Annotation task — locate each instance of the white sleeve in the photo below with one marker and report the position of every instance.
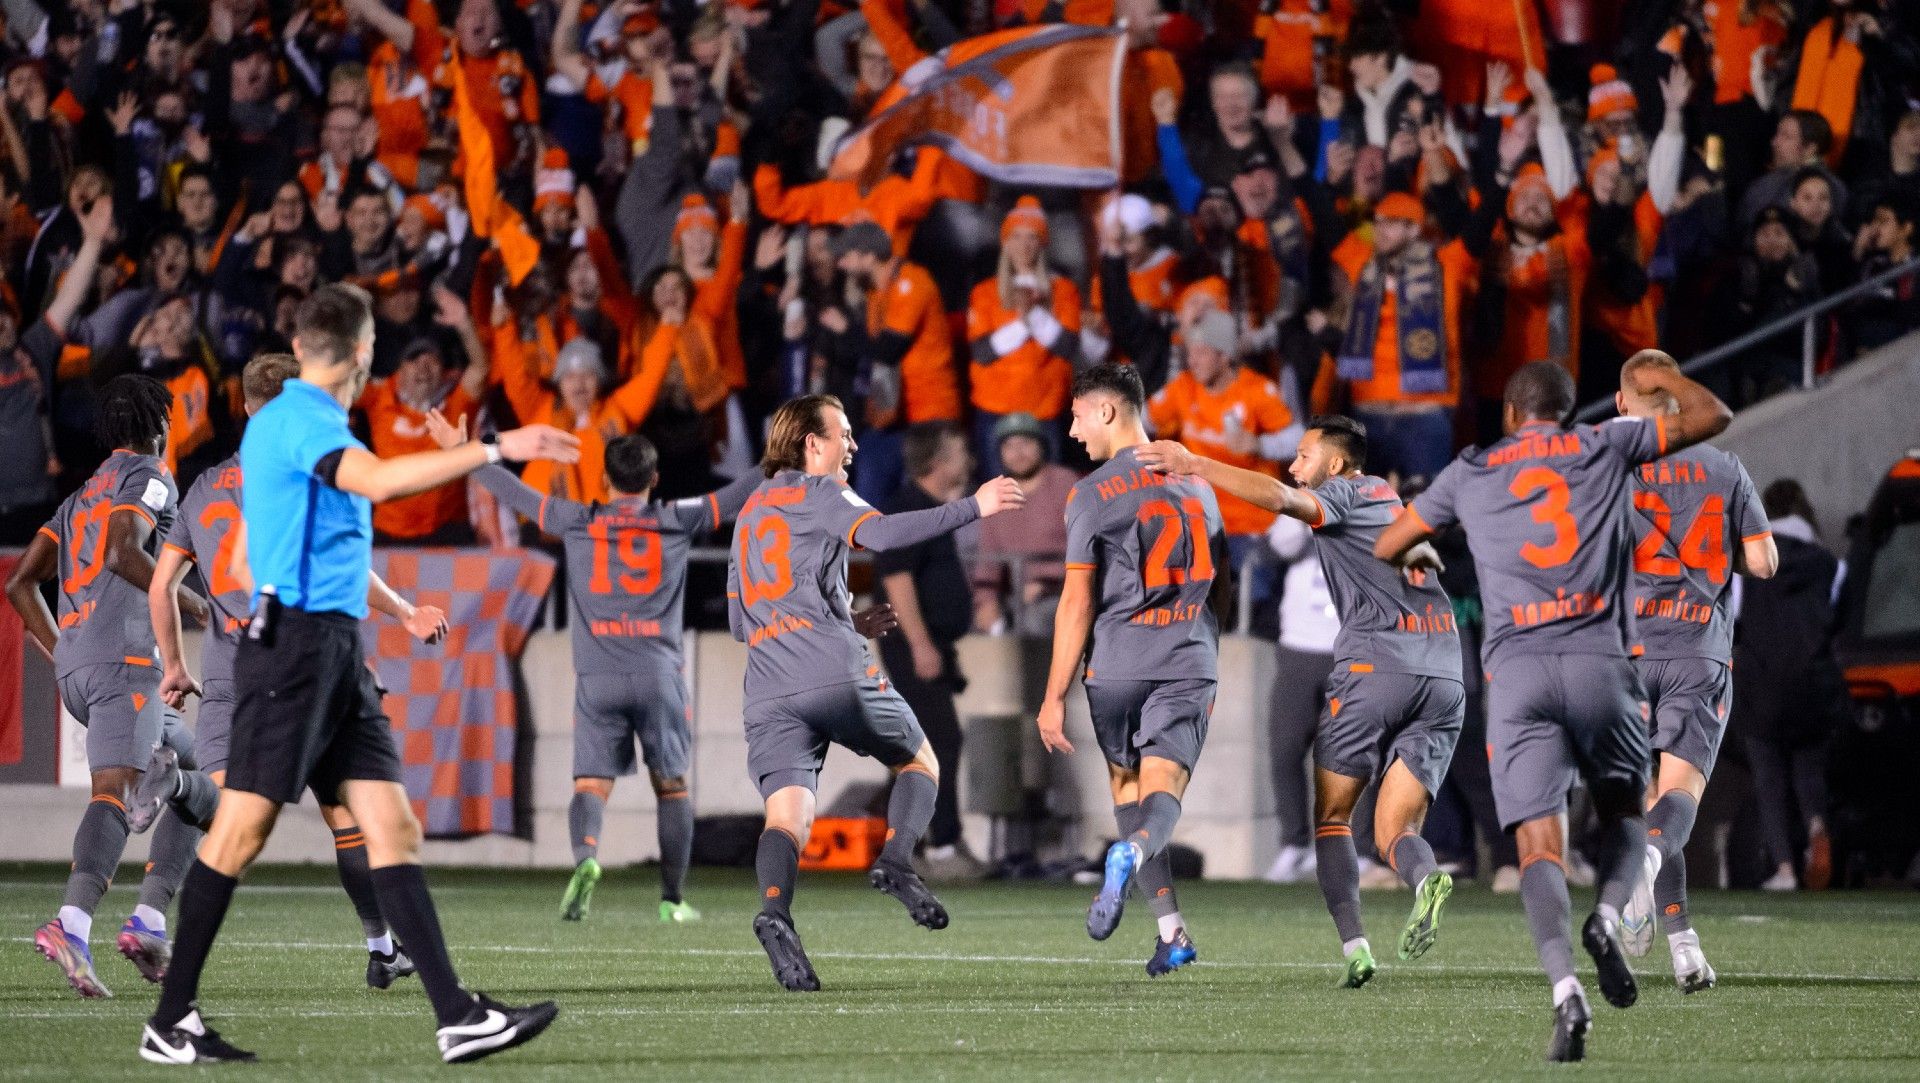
(1046, 327)
(1009, 338)
(1556, 155)
(1663, 167)
(1281, 445)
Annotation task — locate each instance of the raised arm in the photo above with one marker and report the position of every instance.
(38, 564)
(1702, 415)
(521, 498)
(392, 26)
(1260, 490)
(567, 59)
(78, 281)
(1072, 624)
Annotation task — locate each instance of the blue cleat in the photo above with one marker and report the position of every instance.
(1171, 955)
(1103, 917)
(145, 949)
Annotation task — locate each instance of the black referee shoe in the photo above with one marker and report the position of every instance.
(492, 1027)
(190, 1041)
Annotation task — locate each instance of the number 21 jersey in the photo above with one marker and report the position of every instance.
(1155, 544)
(104, 618)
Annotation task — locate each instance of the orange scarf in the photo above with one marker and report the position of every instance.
(1829, 80)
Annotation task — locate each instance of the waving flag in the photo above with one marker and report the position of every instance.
(1036, 105)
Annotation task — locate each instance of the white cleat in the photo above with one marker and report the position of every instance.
(1636, 921)
(1690, 969)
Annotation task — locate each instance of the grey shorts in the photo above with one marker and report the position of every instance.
(1690, 698)
(1552, 718)
(787, 737)
(119, 704)
(213, 729)
(610, 710)
(1372, 719)
(1167, 719)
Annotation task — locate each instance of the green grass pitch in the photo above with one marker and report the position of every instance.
(1812, 987)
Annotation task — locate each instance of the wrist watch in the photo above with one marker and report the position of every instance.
(491, 441)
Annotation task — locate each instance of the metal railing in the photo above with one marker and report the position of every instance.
(1806, 318)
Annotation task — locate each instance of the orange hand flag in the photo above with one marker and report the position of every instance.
(1035, 105)
(492, 215)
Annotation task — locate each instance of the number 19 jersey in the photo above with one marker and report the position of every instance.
(1693, 511)
(1155, 544)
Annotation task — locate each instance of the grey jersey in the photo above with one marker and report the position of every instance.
(1693, 511)
(1386, 623)
(205, 532)
(1549, 525)
(626, 568)
(1155, 545)
(104, 618)
(787, 596)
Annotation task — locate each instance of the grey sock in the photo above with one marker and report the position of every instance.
(1670, 893)
(1159, 813)
(675, 813)
(778, 864)
(1623, 848)
(1338, 870)
(1543, 890)
(909, 811)
(1670, 823)
(97, 845)
(197, 799)
(356, 878)
(1412, 858)
(584, 815)
(174, 841)
(1155, 876)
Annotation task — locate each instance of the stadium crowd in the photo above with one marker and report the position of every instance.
(615, 217)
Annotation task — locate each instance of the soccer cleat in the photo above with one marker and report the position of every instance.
(904, 884)
(71, 955)
(1571, 1022)
(1171, 955)
(190, 1041)
(1636, 921)
(384, 970)
(156, 787)
(1690, 969)
(145, 949)
(678, 913)
(1616, 978)
(790, 966)
(493, 1027)
(1423, 925)
(1360, 968)
(1103, 917)
(579, 897)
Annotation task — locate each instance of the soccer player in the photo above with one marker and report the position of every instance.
(307, 711)
(810, 680)
(208, 532)
(1698, 518)
(1144, 553)
(1396, 702)
(1548, 523)
(100, 544)
(626, 576)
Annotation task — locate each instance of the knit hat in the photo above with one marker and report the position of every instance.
(1610, 93)
(429, 211)
(1530, 176)
(553, 181)
(1400, 205)
(866, 236)
(695, 213)
(579, 354)
(1133, 213)
(1215, 329)
(1017, 424)
(1026, 214)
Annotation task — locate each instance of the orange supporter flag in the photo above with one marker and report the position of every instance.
(492, 215)
(1037, 105)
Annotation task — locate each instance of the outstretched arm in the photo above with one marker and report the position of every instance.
(363, 473)
(883, 532)
(1260, 490)
(1072, 624)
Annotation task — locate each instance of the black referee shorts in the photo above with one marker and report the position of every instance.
(308, 712)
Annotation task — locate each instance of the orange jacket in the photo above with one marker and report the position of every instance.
(908, 303)
(1631, 327)
(1735, 42)
(1185, 410)
(897, 203)
(1530, 287)
(1456, 274)
(398, 429)
(400, 104)
(1287, 36)
(484, 75)
(1029, 377)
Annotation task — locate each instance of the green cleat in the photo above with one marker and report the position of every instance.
(1423, 925)
(678, 913)
(579, 897)
(1360, 968)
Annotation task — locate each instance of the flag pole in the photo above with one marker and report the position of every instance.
(1114, 111)
(1526, 41)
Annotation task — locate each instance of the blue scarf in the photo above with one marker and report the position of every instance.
(1419, 318)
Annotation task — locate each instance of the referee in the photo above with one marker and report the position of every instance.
(308, 712)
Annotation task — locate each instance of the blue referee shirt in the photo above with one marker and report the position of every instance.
(311, 543)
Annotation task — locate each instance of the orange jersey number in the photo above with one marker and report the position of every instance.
(1552, 509)
(220, 577)
(1703, 546)
(80, 574)
(771, 538)
(639, 552)
(1191, 519)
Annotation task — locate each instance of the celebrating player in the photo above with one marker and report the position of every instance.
(208, 532)
(101, 544)
(1396, 702)
(1144, 553)
(810, 681)
(1699, 517)
(308, 711)
(626, 575)
(1547, 516)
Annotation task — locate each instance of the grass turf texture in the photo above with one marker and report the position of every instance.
(1813, 986)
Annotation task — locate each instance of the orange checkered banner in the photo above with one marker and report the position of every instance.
(1036, 105)
(453, 705)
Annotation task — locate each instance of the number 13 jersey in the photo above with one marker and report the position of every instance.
(1155, 544)
(1547, 519)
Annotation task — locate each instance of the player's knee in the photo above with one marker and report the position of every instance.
(601, 787)
(1545, 837)
(666, 788)
(336, 817)
(114, 781)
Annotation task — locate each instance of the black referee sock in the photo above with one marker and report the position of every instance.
(402, 891)
(204, 897)
(778, 864)
(356, 876)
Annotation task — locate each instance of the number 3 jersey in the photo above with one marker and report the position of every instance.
(205, 532)
(1155, 544)
(104, 618)
(1693, 511)
(1548, 521)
